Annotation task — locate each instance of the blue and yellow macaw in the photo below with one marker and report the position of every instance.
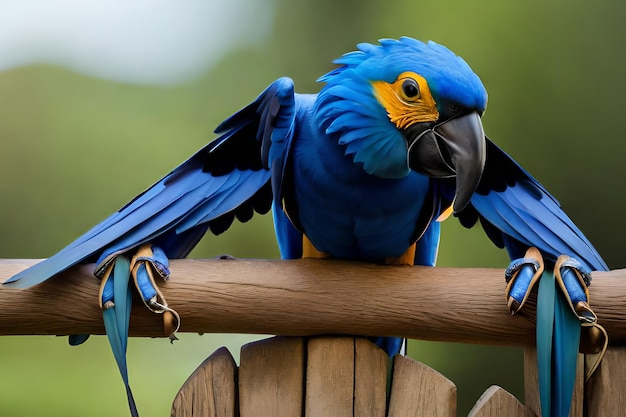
(364, 170)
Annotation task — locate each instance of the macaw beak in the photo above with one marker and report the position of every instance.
(454, 148)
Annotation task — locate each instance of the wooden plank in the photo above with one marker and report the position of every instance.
(420, 391)
(330, 377)
(531, 384)
(210, 391)
(578, 401)
(531, 381)
(605, 388)
(497, 402)
(370, 379)
(271, 378)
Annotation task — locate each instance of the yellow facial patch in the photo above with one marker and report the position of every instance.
(407, 100)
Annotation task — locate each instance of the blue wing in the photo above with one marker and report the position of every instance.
(228, 178)
(517, 212)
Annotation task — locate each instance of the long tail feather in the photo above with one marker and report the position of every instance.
(566, 341)
(545, 330)
(558, 336)
(116, 319)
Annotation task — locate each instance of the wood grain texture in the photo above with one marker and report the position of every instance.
(531, 381)
(271, 378)
(371, 366)
(329, 377)
(211, 391)
(606, 387)
(303, 297)
(419, 391)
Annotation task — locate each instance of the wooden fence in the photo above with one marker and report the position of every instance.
(329, 376)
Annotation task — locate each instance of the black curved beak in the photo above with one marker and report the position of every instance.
(454, 148)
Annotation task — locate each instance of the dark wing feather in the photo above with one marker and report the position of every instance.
(517, 212)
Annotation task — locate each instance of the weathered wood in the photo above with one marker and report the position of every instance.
(370, 379)
(303, 297)
(531, 381)
(211, 391)
(420, 391)
(329, 377)
(271, 378)
(606, 387)
(347, 377)
(531, 385)
(578, 400)
(497, 402)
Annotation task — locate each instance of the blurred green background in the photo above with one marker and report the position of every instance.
(76, 147)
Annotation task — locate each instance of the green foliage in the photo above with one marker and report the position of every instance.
(74, 149)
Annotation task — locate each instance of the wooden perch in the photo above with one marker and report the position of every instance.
(304, 297)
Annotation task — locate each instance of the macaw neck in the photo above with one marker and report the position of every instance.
(321, 150)
(349, 113)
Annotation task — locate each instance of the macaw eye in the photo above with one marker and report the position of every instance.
(410, 89)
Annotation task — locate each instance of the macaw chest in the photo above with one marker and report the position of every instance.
(363, 217)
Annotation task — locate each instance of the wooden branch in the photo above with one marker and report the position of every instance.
(304, 297)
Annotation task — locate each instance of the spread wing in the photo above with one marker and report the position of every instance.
(229, 178)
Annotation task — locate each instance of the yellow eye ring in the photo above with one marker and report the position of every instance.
(407, 100)
(409, 90)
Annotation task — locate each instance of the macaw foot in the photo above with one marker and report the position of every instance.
(115, 299)
(521, 276)
(573, 278)
(150, 261)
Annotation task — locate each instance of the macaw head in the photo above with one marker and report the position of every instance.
(407, 105)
